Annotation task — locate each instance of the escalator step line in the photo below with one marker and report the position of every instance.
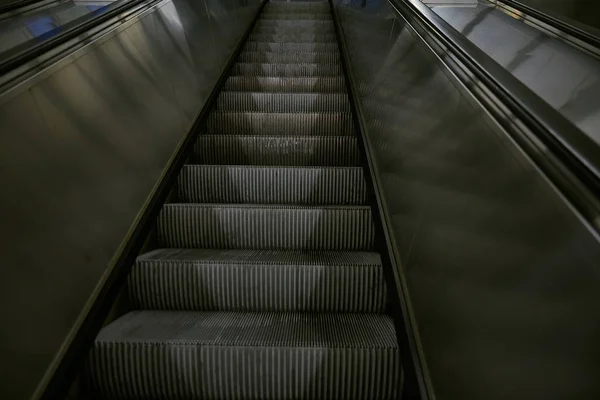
(258, 281)
(282, 102)
(219, 362)
(287, 70)
(292, 47)
(336, 151)
(285, 124)
(266, 227)
(237, 184)
(286, 85)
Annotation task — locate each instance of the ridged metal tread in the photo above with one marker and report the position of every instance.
(298, 6)
(283, 102)
(272, 185)
(233, 355)
(297, 16)
(274, 124)
(258, 280)
(267, 57)
(335, 151)
(294, 29)
(330, 84)
(287, 70)
(220, 226)
(293, 37)
(292, 47)
(290, 23)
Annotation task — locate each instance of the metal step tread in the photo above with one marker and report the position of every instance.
(286, 23)
(340, 259)
(231, 329)
(286, 70)
(274, 84)
(237, 280)
(267, 57)
(339, 151)
(276, 227)
(272, 185)
(283, 102)
(294, 29)
(279, 124)
(297, 16)
(292, 47)
(293, 37)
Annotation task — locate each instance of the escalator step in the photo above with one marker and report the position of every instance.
(287, 23)
(258, 280)
(336, 151)
(282, 102)
(292, 47)
(298, 16)
(291, 29)
(293, 38)
(234, 355)
(286, 70)
(272, 185)
(252, 123)
(298, 6)
(266, 57)
(266, 227)
(286, 85)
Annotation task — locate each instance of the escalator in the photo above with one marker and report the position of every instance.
(264, 283)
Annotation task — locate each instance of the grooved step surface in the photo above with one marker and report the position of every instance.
(285, 85)
(295, 29)
(266, 227)
(294, 37)
(286, 23)
(297, 16)
(265, 57)
(283, 70)
(283, 102)
(178, 279)
(272, 185)
(321, 7)
(286, 124)
(337, 151)
(217, 355)
(292, 47)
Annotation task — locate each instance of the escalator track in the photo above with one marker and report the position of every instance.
(265, 283)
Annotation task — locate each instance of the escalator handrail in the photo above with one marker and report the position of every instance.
(16, 5)
(71, 32)
(576, 150)
(555, 22)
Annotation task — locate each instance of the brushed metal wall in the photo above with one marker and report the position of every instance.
(80, 152)
(583, 11)
(503, 277)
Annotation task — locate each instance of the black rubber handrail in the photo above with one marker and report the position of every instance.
(576, 150)
(69, 31)
(555, 22)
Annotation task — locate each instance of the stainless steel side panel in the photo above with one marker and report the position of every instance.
(502, 276)
(80, 152)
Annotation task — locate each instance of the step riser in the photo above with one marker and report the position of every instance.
(285, 85)
(293, 38)
(297, 16)
(212, 372)
(289, 58)
(283, 102)
(238, 185)
(189, 226)
(295, 24)
(294, 29)
(284, 151)
(292, 47)
(286, 70)
(281, 124)
(242, 287)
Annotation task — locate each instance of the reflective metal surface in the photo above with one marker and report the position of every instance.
(80, 152)
(582, 11)
(566, 78)
(502, 276)
(31, 28)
